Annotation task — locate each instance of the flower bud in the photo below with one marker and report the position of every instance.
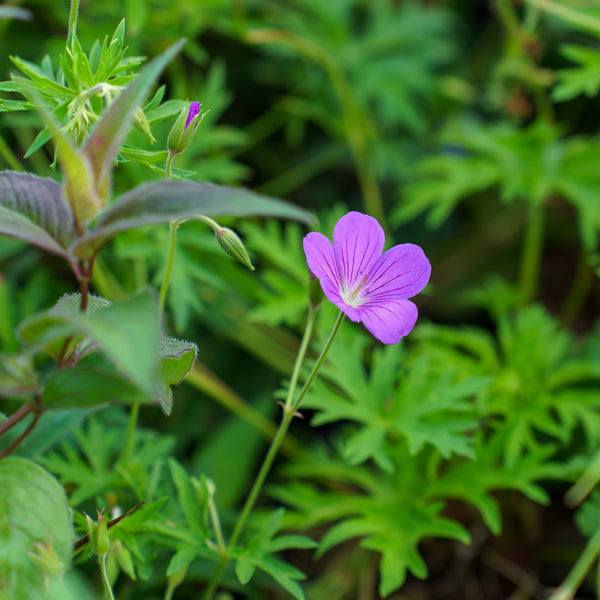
(184, 128)
(231, 243)
(315, 291)
(98, 532)
(143, 124)
(47, 559)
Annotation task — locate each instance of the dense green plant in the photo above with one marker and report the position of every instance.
(478, 147)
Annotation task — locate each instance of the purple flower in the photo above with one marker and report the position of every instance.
(192, 112)
(368, 286)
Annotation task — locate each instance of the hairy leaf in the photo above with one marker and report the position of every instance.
(34, 521)
(34, 209)
(163, 201)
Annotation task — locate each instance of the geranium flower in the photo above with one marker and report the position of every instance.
(368, 286)
(193, 110)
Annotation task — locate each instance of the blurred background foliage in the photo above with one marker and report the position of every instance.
(468, 127)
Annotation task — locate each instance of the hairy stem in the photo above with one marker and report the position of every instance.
(568, 588)
(9, 156)
(310, 323)
(21, 437)
(568, 14)
(73, 13)
(15, 418)
(580, 288)
(354, 119)
(130, 435)
(169, 165)
(105, 581)
(289, 412)
(162, 298)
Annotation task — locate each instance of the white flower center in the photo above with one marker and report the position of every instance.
(354, 296)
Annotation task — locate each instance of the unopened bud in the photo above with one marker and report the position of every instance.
(315, 291)
(143, 124)
(46, 557)
(233, 245)
(98, 532)
(183, 131)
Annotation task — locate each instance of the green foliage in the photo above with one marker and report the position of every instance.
(523, 163)
(540, 389)
(402, 108)
(582, 79)
(382, 403)
(259, 550)
(36, 531)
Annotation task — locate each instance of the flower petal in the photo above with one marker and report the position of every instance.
(320, 260)
(389, 320)
(319, 257)
(401, 272)
(357, 244)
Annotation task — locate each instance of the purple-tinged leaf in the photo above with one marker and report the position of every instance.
(104, 140)
(34, 209)
(163, 201)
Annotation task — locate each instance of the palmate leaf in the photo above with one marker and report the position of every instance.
(410, 402)
(539, 385)
(258, 553)
(392, 513)
(88, 458)
(582, 79)
(389, 513)
(522, 162)
(163, 201)
(34, 209)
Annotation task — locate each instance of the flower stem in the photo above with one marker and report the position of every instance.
(15, 418)
(107, 588)
(131, 427)
(73, 12)
(169, 165)
(173, 225)
(310, 322)
(315, 371)
(580, 288)
(289, 412)
(21, 437)
(566, 591)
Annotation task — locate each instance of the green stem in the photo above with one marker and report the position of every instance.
(568, 14)
(105, 581)
(531, 258)
(310, 323)
(289, 412)
(354, 119)
(568, 588)
(315, 371)
(9, 156)
(169, 165)
(580, 288)
(129, 437)
(74, 11)
(206, 381)
(216, 523)
(173, 225)
(171, 587)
